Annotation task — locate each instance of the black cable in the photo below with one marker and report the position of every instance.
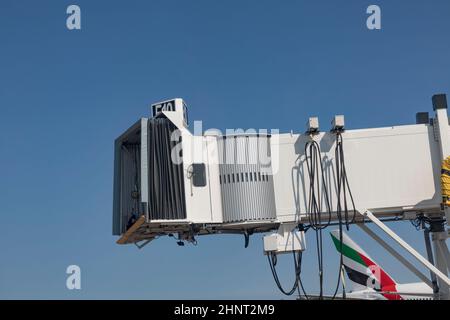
(342, 183)
(342, 207)
(301, 228)
(300, 286)
(316, 175)
(417, 223)
(420, 222)
(318, 190)
(317, 183)
(272, 258)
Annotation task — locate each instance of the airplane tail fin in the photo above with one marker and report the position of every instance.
(360, 268)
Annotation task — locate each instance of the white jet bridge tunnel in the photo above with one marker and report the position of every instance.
(169, 181)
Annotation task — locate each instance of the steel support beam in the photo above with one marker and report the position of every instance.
(397, 255)
(440, 253)
(408, 248)
(426, 234)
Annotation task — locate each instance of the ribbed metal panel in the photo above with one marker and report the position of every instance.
(166, 180)
(245, 178)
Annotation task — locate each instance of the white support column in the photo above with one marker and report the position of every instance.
(344, 285)
(441, 253)
(440, 248)
(443, 130)
(411, 250)
(426, 236)
(447, 254)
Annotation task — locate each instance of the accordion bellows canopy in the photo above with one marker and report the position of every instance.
(166, 181)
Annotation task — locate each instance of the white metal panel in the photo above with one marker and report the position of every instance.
(388, 169)
(200, 201)
(212, 161)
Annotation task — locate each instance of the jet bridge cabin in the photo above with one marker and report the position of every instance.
(167, 180)
(170, 181)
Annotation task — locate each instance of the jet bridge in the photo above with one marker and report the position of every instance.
(251, 181)
(170, 181)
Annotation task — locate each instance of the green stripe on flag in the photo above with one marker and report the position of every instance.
(348, 251)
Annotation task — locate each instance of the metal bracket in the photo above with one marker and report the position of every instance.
(142, 244)
(407, 247)
(287, 239)
(394, 253)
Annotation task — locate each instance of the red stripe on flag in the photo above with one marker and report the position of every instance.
(386, 282)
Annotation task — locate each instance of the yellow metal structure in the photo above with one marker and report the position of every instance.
(125, 237)
(445, 181)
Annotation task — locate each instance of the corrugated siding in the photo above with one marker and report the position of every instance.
(245, 179)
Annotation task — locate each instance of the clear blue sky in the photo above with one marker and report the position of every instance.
(66, 95)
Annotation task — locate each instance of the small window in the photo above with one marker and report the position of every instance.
(198, 174)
